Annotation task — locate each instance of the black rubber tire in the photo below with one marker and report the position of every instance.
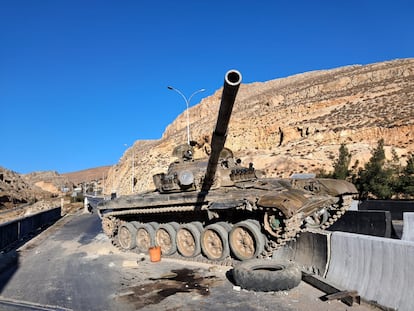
(267, 275)
(154, 224)
(169, 229)
(174, 224)
(126, 236)
(225, 225)
(140, 244)
(195, 233)
(253, 228)
(199, 225)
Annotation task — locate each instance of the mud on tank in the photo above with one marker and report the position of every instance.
(217, 209)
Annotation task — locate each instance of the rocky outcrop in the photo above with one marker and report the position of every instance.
(14, 190)
(294, 124)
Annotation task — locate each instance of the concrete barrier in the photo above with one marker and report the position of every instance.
(380, 269)
(408, 227)
(375, 223)
(396, 207)
(20, 228)
(9, 233)
(310, 250)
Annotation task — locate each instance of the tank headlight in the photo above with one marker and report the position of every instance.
(186, 178)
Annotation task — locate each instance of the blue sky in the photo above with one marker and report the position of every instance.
(80, 79)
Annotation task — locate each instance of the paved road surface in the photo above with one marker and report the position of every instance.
(73, 266)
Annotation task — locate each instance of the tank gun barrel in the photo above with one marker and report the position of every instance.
(232, 81)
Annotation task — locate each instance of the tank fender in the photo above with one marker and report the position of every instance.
(230, 205)
(337, 187)
(287, 202)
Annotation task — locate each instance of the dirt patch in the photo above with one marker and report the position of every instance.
(157, 289)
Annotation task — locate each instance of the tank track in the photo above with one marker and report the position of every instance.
(294, 227)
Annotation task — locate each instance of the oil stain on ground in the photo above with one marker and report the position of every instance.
(178, 281)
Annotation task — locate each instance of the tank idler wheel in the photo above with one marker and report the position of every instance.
(109, 226)
(126, 236)
(246, 240)
(165, 237)
(317, 219)
(214, 241)
(145, 237)
(188, 240)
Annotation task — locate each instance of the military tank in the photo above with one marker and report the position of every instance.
(218, 209)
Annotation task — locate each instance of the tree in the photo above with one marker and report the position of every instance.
(375, 178)
(341, 165)
(394, 166)
(407, 177)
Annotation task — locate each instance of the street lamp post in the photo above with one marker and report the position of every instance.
(187, 102)
(132, 167)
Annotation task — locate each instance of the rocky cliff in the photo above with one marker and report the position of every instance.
(292, 125)
(15, 189)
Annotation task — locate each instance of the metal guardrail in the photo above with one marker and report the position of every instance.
(15, 230)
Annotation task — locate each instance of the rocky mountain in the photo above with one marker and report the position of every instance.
(292, 125)
(15, 190)
(88, 175)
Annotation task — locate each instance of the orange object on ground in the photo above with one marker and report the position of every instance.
(155, 253)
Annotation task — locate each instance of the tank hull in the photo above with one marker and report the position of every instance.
(244, 221)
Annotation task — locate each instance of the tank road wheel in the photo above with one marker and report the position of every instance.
(214, 241)
(145, 237)
(126, 236)
(165, 237)
(246, 240)
(188, 240)
(317, 219)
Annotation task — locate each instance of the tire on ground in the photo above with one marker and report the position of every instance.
(267, 275)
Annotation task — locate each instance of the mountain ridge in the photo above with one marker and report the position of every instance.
(294, 124)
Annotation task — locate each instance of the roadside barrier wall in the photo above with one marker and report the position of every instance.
(408, 227)
(380, 269)
(13, 231)
(310, 250)
(396, 207)
(375, 223)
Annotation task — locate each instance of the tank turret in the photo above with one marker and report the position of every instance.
(188, 174)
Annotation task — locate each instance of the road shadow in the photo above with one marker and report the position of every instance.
(9, 264)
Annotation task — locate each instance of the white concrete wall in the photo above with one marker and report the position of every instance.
(408, 227)
(380, 269)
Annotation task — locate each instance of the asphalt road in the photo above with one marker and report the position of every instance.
(73, 266)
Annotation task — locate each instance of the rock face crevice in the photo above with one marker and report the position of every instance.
(294, 124)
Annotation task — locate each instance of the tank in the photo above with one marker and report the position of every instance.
(218, 209)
